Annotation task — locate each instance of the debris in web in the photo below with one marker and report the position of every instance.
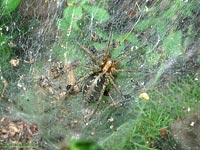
(18, 134)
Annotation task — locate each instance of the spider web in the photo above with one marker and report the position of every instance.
(43, 33)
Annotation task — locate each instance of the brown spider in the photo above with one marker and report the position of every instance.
(103, 73)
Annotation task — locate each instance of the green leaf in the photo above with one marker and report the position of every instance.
(83, 145)
(84, 1)
(71, 17)
(129, 37)
(145, 24)
(4, 49)
(101, 33)
(99, 14)
(81, 2)
(172, 11)
(9, 6)
(161, 27)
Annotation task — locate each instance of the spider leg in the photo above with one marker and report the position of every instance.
(99, 101)
(84, 77)
(77, 63)
(94, 68)
(92, 56)
(114, 85)
(124, 56)
(108, 45)
(126, 70)
(113, 102)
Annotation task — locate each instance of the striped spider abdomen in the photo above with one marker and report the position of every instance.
(94, 87)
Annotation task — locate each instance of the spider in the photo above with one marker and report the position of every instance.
(103, 73)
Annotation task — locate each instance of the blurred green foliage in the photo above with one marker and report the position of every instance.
(164, 24)
(119, 139)
(172, 44)
(8, 6)
(83, 145)
(4, 49)
(76, 10)
(198, 59)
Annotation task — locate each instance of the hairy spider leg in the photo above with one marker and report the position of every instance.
(94, 68)
(123, 56)
(120, 58)
(115, 86)
(93, 57)
(108, 45)
(126, 70)
(78, 64)
(100, 100)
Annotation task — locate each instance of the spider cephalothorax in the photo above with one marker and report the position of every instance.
(108, 66)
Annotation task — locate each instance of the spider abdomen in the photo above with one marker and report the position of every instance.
(93, 88)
